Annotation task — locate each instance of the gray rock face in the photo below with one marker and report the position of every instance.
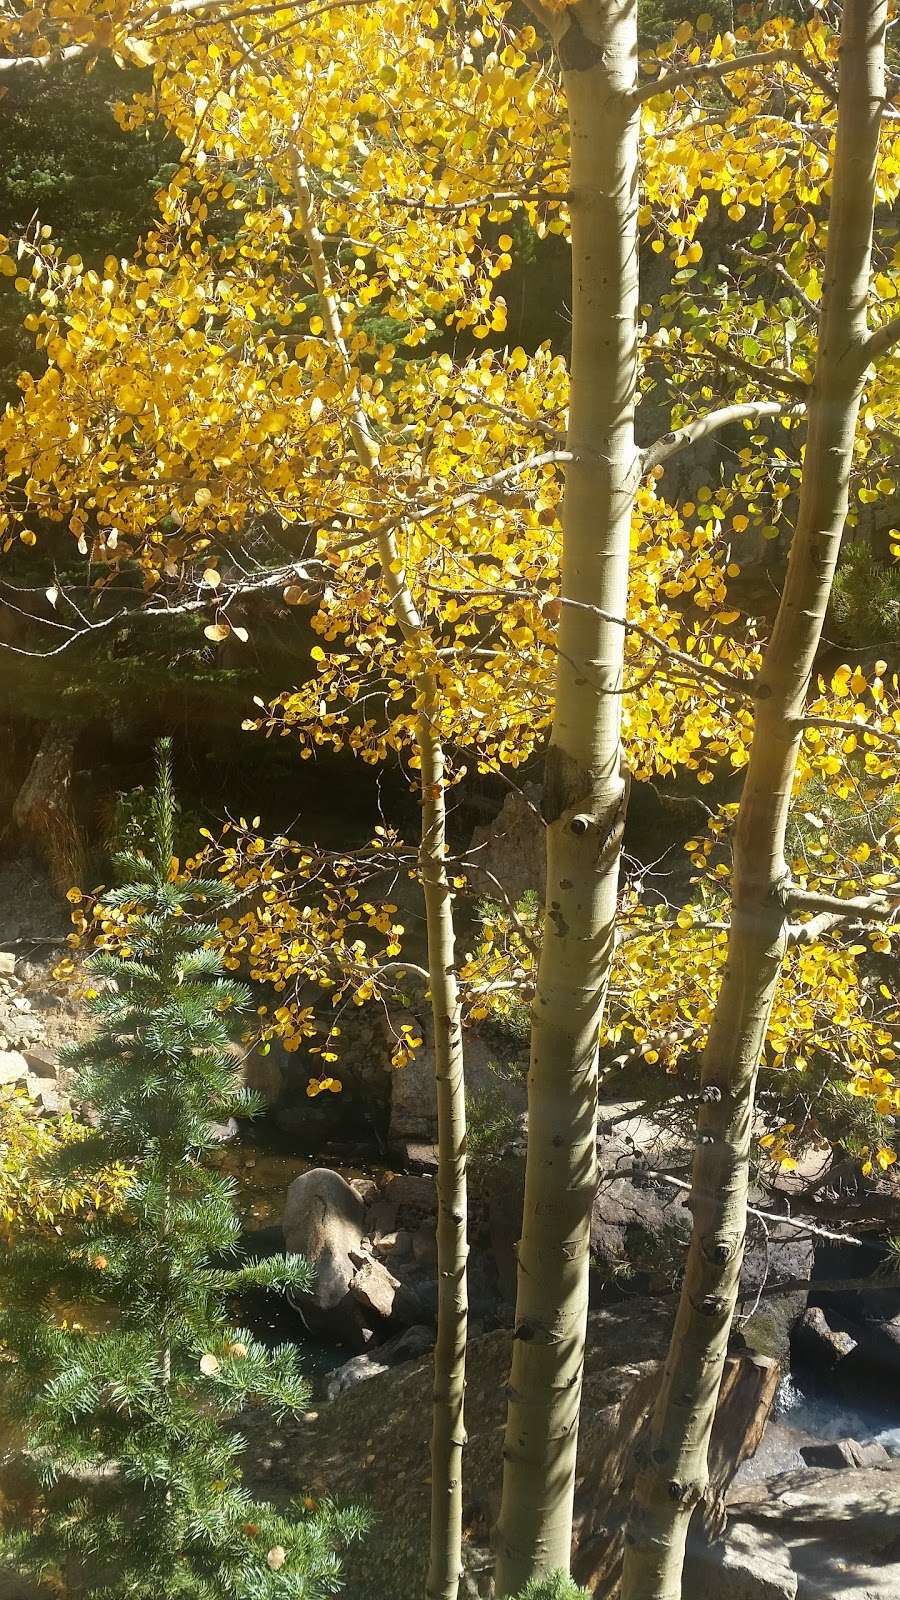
(511, 850)
(753, 1564)
(413, 1091)
(809, 1535)
(323, 1222)
(406, 1346)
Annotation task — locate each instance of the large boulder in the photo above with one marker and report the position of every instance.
(508, 855)
(414, 1093)
(808, 1535)
(355, 1298)
(323, 1222)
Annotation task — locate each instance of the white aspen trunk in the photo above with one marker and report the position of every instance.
(673, 1472)
(448, 1430)
(584, 797)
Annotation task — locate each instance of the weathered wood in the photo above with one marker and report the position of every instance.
(43, 812)
(746, 1397)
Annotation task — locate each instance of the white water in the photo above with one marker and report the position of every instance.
(799, 1419)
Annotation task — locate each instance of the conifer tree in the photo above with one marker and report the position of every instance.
(121, 1370)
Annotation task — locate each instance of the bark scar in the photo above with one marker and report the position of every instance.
(577, 53)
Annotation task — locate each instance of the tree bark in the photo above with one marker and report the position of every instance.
(448, 1431)
(746, 1398)
(673, 1469)
(43, 812)
(584, 797)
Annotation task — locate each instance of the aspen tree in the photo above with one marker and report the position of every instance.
(672, 1477)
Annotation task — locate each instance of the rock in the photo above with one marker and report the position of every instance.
(775, 1254)
(7, 964)
(751, 1564)
(511, 850)
(367, 1189)
(13, 1066)
(46, 1096)
(816, 1343)
(406, 1346)
(224, 1132)
(413, 1119)
(417, 1156)
(381, 1293)
(397, 1246)
(357, 1370)
(414, 1197)
(47, 1001)
(41, 1063)
(638, 1221)
(323, 1222)
(424, 1245)
(836, 1453)
(381, 1218)
(838, 1527)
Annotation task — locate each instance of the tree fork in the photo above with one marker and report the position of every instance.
(674, 1474)
(584, 795)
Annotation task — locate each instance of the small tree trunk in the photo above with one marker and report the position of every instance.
(584, 798)
(673, 1472)
(448, 1432)
(43, 811)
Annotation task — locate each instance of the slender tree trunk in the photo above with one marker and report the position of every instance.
(673, 1474)
(584, 798)
(448, 1432)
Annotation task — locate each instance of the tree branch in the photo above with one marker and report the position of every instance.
(772, 377)
(312, 574)
(847, 726)
(865, 908)
(53, 58)
(800, 1223)
(713, 422)
(721, 69)
(880, 341)
(486, 486)
(753, 258)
